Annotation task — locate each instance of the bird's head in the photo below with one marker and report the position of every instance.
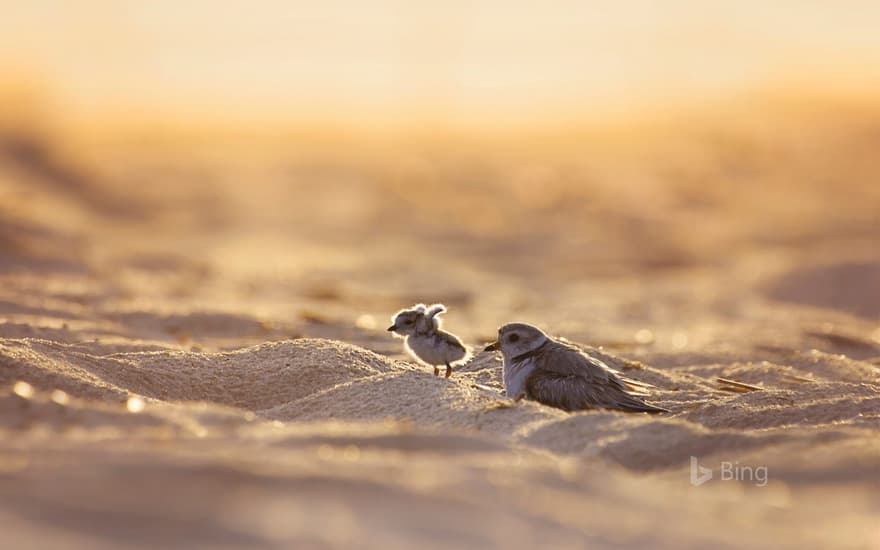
(517, 338)
(418, 319)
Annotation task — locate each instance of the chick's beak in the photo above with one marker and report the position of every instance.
(494, 346)
(392, 328)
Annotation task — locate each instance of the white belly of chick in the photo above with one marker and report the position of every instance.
(433, 351)
(515, 376)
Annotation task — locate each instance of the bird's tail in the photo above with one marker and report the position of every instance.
(634, 387)
(635, 405)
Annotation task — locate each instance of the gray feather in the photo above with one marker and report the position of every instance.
(571, 380)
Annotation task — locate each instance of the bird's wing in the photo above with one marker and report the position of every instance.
(563, 360)
(567, 359)
(450, 339)
(571, 380)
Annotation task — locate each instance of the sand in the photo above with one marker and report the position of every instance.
(193, 354)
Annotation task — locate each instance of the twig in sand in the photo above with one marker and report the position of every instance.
(734, 389)
(738, 387)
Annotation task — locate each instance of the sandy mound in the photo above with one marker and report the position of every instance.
(419, 397)
(319, 380)
(254, 378)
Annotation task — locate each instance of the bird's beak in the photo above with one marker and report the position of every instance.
(392, 328)
(494, 346)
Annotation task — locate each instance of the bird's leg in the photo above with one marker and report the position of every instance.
(436, 371)
(448, 370)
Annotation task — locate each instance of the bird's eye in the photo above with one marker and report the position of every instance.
(513, 338)
(408, 322)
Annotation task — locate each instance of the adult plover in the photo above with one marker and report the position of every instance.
(540, 368)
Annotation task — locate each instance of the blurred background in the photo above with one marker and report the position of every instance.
(191, 172)
(477, 65)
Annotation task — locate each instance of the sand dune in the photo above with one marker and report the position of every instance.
(444, 458)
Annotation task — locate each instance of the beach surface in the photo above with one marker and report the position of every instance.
(193, 353)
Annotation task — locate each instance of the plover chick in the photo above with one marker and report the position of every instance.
(423, 339)
(540, 368)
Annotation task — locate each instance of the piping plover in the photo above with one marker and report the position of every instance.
(550, 372)
(420, 327)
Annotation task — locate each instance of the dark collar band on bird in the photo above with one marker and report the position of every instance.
(530, 353)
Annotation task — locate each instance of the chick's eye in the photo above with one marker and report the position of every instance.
(513, 338)
(408, 322)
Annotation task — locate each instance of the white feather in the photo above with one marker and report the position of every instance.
(515, 376)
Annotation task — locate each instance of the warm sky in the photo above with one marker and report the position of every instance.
(448, 60)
